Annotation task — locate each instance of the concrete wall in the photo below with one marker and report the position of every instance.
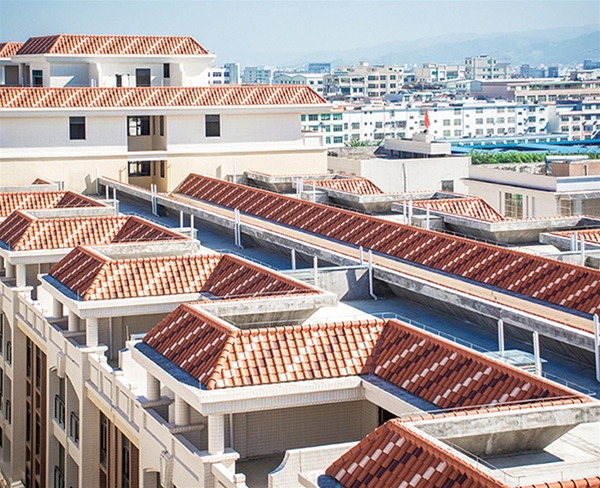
(421, 174)
(273, 431)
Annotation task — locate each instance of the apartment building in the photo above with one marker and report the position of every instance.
(9, 70)
(364, 81)
(373, 122)
(256, 74)
(438, 73)
(541, 91)
(314, 80)
(485, 67)
(580, 120)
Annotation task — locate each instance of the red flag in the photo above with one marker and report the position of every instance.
(427, 122)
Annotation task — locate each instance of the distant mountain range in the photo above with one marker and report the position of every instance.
(548, 47)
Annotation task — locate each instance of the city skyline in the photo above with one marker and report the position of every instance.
(261, 32)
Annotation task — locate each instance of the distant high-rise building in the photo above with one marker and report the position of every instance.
(253, 74)
(552, 72)
(319, 67)
(235, 74)
(484, 67)
(589, 64)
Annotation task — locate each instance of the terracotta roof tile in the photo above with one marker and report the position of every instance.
(8, 49)
(112, 45)
(23, 232)
(40, 200)
(356, 186)
(534, 277)
(207, 96)
(589, 235)
(436, 370)
(574, 483)
(396, 455)
(92, 276)
(473, 207)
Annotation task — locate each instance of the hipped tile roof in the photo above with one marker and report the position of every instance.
(473, 207)
(436, 370)
(394, 455)
(23, 232)
(529, 276)
(112, 45)
(93, 276)
(589, 235)
(356, 186)
(205, 96)
(41, 200)
(574, 483)
(8, 49)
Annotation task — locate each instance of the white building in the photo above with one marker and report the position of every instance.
(314, 80)
(580, 120)
(255, 74)
(438, 73)
(9, 70)
(112, 61)
(485, 67)
(365, 81)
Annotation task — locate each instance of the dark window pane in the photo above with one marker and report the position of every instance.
(76, 128)
(142, 77)
(213, 125)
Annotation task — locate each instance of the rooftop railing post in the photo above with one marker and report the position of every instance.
(316, 270)
(501, 335)
(293, 259)
(536, 353)
(582, 251)
(597, 347)
(371, 290)
(361, 256)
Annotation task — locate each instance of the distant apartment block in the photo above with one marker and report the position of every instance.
(542, 91)
(319, 67)
(253, 74)
(365, 81)
(235, 73)
(437, 73)
(580, 120)
(486, 67)
(314, 80)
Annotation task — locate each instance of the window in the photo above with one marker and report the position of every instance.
(212, 123)
(118, 80)
(479, 132)
(74, 427)
(337, 116)
(59, 478)
(38, 435)
(457, 133)
(162, 169)
(125, 447)
(142, 77)
(446, 133)
(478, 121)
(355, 125)
(103, 438)
(511, 120)
(490, 120)
(7, 412)
(139, 126)
(325, 116)
(76, 128)
(166, 70)
(378, 125)
(478, 110)
(513, 205)
(337, 128)
(448, 185)
(457, 111)
(337, 140)
(371, 78)
(392, 77)
(37, 77)
(457, 122)
(446, 122)
(313, 117)
(139, 168)
(8, 352)
(303, 118)
(59, 410)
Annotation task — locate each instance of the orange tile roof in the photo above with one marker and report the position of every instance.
(396, 455)
(92, 276)
(23, 232)
(473, 207)
(40, 200)
(555, 283)
(589, 235)
(112, 45)
(574, 483)
(205, 96)
(436, 370)
(356, 186)
(8, 49)
(41, 181)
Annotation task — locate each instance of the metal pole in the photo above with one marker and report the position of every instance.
(293, 259)
(371, 292)
(582, 251)
(316, 267)
(405, 212)
(597, 347)
(234, 174)
(536, 353)
(107, 190)
(427, 218)
(181, 218)
(314, 193)
(192, 221)
(361, 252)
(501, 335)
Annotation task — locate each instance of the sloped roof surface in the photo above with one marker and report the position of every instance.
(40, 200)
(589, 235)
(23, 232)
(356, 186)
(204, 96)
(396, 456)
(92, 276)
(574, 483)
(441, 372)
(114, 45)
(8, 49)
(473, 207)
(557, 283)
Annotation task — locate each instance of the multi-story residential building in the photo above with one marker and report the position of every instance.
(365, 81)
(485, 67)
(255, 74)
(319, 67)
(542, 91)
(437, 73)
(449, 119)
(235, 74)
(217, 75)
(314, 80)
(580, 120)
(9, 70)
(112, 61)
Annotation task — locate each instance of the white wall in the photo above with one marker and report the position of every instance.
(69, 75)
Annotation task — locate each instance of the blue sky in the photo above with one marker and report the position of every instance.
(268, 32)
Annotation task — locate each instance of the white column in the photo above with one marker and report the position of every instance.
(21, 275)
(216, 434)
(91, 332)
(57, 309)
(182, 411)
(536, 353)
(73, 321)
(10, 270)
(152, 388)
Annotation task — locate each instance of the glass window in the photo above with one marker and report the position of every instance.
(139, 126)
(325, 116)
(313, 117)
(76, 128)
(142, 77)
(37, 77)
(166, 70)
(337, 116)
(212, 123)
(139, 168)
(513, 205)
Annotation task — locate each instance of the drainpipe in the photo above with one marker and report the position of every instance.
(371, 292)
(501, 335)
